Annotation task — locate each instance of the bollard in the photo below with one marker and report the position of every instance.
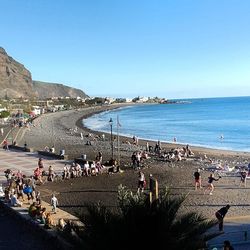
(245, 235)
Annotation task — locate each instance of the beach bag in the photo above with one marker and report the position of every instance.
(27, 190)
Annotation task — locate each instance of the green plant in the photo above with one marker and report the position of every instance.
(4, 114)
(139, 224)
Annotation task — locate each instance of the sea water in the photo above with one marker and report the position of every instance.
(222, 123)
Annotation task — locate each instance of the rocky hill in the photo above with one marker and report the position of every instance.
(16, 81)
(45, 89)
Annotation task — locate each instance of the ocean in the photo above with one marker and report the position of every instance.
(220, 123)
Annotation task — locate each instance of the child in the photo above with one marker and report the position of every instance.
(54, 203)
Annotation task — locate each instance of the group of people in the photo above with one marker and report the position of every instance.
(39, 172)
(177, 154)
(197, 182)
(137, 157)
(49, 149)
(74, 170)
(19, 188)
(219, 214)
(211, 178)
(40, 214)
(89, 168)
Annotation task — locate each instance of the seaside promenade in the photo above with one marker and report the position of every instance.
(236, 230)
(27, 162)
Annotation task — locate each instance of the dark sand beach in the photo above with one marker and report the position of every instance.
(56, 128)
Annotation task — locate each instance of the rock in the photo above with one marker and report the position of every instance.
(15, 79)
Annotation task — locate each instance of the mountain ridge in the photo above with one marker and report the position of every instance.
(16, 82)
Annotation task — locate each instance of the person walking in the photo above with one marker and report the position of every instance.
(54, 203)
(220, 215)
(210, 186)
(197, 179)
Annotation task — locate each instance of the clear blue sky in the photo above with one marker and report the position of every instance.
(165, 48)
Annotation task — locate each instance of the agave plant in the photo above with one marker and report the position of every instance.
(139, 224)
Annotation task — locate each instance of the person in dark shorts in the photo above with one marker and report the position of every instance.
(220, 215)
(197, 179)
(210, 184)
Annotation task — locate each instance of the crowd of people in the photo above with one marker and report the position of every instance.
(27, 186)
(137, 158)
(176, 154)
(87, 168)
(18, 185)
(22, 190)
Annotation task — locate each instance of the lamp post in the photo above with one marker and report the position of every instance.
(111, 137)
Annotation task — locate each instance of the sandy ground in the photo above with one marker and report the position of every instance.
(54, 128)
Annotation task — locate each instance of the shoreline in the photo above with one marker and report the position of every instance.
(75, 193)
(168, 145)
(90, 111)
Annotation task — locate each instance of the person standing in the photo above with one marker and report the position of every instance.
(99, 157)
(243, 178)
(141, 182)
(220, 215)
(1, 131)
(66, 172)
(51, 174)
(197, 179)
(40, 163)
(54, 203)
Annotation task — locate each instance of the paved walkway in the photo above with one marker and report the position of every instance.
(27, 162)
(236, 230)
(14, 234)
